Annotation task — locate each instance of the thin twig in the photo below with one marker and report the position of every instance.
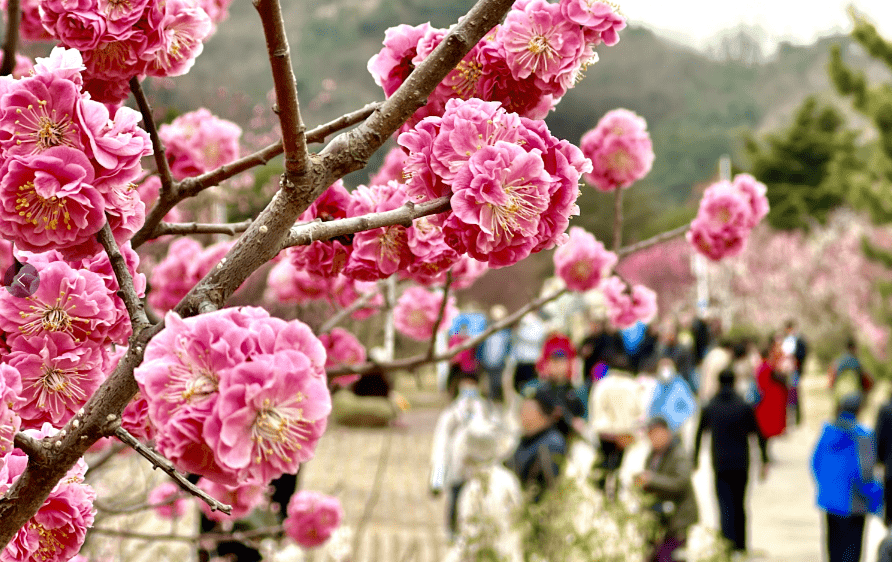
(285, 85)
(27, 444)
(307, 233)
(160, 462)
(184, 228)
(433, 343)
(13, 18)
(652, 241)
(375, 492)
(617, 219)
(239, 536)
(167, 183)
(416, 360)
(108, 455)
(127, 291)
(360, 302)
(143, 536)
(135, 508)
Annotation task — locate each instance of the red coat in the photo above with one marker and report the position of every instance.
(771, 411)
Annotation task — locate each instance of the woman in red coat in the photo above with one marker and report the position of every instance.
(771, 411)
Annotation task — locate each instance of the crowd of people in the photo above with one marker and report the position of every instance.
(527, 396)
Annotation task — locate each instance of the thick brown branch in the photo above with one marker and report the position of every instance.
(307, 233)
(652, 241)
(13, 17)
(159, 461)
(28, 445)
(422, 358)
(127, 291)
(184, 228)
(167, 183)
(285, 85)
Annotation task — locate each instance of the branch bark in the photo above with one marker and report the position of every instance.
(13, 18)
(652, 241)
(345, 312)
(184, 228)
(167, 183)
(307, 233)
(159, 461)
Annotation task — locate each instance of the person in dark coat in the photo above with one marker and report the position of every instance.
(541, 448)
(883, 430)
(842, 465)
(731, 421)
(668, 479)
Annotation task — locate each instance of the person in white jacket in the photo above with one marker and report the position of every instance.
(449, 470)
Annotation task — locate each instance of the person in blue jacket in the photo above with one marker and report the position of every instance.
(843, 464)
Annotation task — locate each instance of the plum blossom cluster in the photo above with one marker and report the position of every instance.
(627, 306)
(528, 63)
(59, 337)
(235, 395)
(123, 40)
(290, 285)
(583, 261)
(58, 530)
(512, 185)
(620, 150)
(198, 141)
(65, 162)
(312, 517)
(417, 311)
(728, 212)
(325, 258)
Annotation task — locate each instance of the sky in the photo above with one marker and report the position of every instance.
(695, 22)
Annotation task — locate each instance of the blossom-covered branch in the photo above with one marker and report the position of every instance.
(160, 462)
(303, 234)
(183, 228)
(190, 187)
(167, 183)
(13, 17)
(422, 358)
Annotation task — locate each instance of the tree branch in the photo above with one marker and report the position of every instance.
(13, 17)
(416, 360)
(127, 291)
(183, 228)
(159, 461)
(307, 233)
(433, 343)
(652, 241)
(27, 444)
(287, 106)
(167, 183)
(190, 187)
(345, 312)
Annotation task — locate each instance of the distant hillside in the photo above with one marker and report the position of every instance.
(697, 107)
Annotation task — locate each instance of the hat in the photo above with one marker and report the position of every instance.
(544, 396)
(850, 403)
(557, 345)
(726, 377)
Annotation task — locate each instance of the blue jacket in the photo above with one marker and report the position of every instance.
(673, 401)
(843, 464)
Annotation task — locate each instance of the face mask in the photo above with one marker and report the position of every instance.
(470, 392)
(665, 374)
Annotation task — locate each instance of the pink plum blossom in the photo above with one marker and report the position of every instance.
(722, 223)
(393, 64)
(10, 422)
(345, 292)
(183, 27)
(432, 257)
(68, 301)
(47, 200)
(76, 23)
(198, 141)
(287, 284)
(58, 530)
(417, 310)
(497, 83)
(467, 271)
(167, 504)
(217, 410)
(30, 27)
(624, 307)
(58, 377)
(541, 43)
(620, 150)
(342, 348)
(62, 63)
(244, 498)
(148, 191)
(312, 518)
(754, 191)
(599, 20)
(23, 65)
(380, 252)
(583, 261)
(185, 265)
(391, 169)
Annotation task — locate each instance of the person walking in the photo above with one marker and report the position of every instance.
(847, 375)
(731, 421)
(771, 388)
(667, 477)
(842, 465)
(794, 347)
